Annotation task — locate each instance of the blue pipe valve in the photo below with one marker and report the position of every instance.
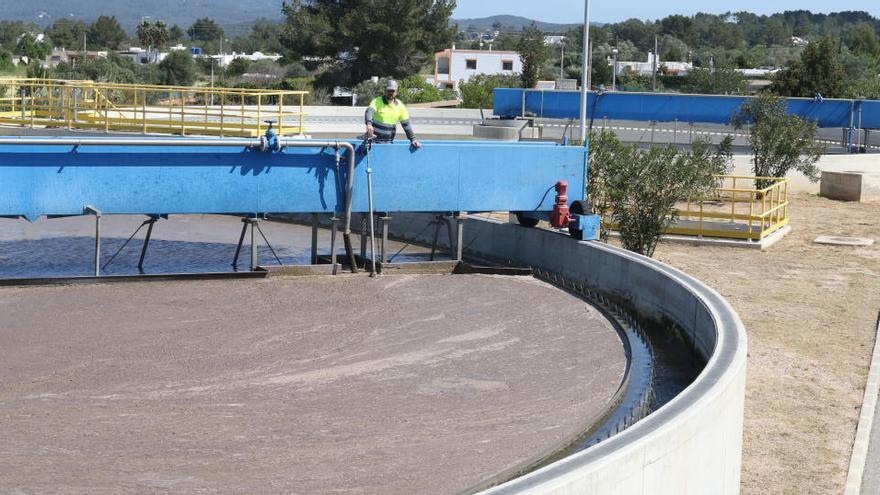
(270, 139)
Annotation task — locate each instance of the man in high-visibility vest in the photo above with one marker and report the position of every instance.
(384, 113)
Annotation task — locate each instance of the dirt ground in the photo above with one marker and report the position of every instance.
(811, 313)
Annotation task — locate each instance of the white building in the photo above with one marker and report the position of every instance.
(647, 68)
(224, 59)
(452, 66)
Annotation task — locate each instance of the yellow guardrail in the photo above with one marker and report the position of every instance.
(149, 108)
(737, 209)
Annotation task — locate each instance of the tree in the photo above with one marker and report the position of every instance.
(34, 50)
(637, 189)
(721, 81)
(68, 34)
(177, 69)
(362, 39)
(152, 35)
(176, 34)
(534, 53)
(478, 91)
(818, 71)
(205, 29)
(780, 142)
(863, 40)
(106, 32)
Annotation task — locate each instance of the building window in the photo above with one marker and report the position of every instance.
(471, 64)
(507, 65)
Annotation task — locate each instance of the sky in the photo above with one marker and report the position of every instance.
(572, 11)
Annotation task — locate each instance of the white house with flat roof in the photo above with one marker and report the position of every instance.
(452, 66)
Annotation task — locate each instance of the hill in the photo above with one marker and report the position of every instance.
(129, 14)
(511, 23)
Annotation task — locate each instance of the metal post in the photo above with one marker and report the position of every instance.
(244, 227)
(91, 210)
(253, 245)
(614, 71)
(314, 256)
(385, 219)
(146, 243)
(585, 68)
(333, 222)
(562, 60)
(656, 57)
(460, 217)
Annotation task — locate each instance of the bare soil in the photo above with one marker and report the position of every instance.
(811, 312)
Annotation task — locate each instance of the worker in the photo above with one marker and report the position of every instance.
(383, 114)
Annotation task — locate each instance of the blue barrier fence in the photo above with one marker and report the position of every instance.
(665, 107)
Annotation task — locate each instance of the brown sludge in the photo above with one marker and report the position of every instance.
(402, 384)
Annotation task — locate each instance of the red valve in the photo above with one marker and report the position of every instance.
(560, 216)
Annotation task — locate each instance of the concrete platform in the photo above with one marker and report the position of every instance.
(401, 384)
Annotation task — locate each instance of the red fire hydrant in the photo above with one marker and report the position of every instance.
(560, 216)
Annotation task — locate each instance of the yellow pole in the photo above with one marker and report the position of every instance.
(301, 96)
(259, 113)
(222, 111)
(206, 111)
(280, 114)
(182, 113)
(241, 112)
(144, 112)
(67, 109)
(33, 97)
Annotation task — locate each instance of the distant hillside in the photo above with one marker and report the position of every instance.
(129, 13)
(511, 23)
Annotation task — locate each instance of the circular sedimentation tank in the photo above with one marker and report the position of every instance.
(398, 384)
(405, 383)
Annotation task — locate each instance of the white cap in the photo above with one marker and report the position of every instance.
(391, 84)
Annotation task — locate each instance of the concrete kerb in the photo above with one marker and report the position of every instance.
(693, 444)
(859, 456)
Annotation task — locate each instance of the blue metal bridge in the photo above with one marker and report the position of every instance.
(63, 176)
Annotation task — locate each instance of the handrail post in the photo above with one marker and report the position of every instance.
(280, 113)
(222, 110)
(259, 114)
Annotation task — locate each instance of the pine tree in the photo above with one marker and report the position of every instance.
(363, 39)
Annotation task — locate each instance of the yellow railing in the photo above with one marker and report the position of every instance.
(146, 109)
(736, 209)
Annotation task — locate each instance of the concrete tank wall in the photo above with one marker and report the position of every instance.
(742, 165)
(691, 445)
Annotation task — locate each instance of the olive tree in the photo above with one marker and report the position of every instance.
(780, 142)
(637, 189)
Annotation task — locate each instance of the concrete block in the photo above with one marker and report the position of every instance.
(850, 186)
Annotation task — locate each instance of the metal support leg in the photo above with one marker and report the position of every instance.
(460, 217)
(314, 238)
(91, 210)
(244, 227)
(385, 219)
(253, 246)
(449, 236)
(333, 225)
(436, 236)
(146, 243)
